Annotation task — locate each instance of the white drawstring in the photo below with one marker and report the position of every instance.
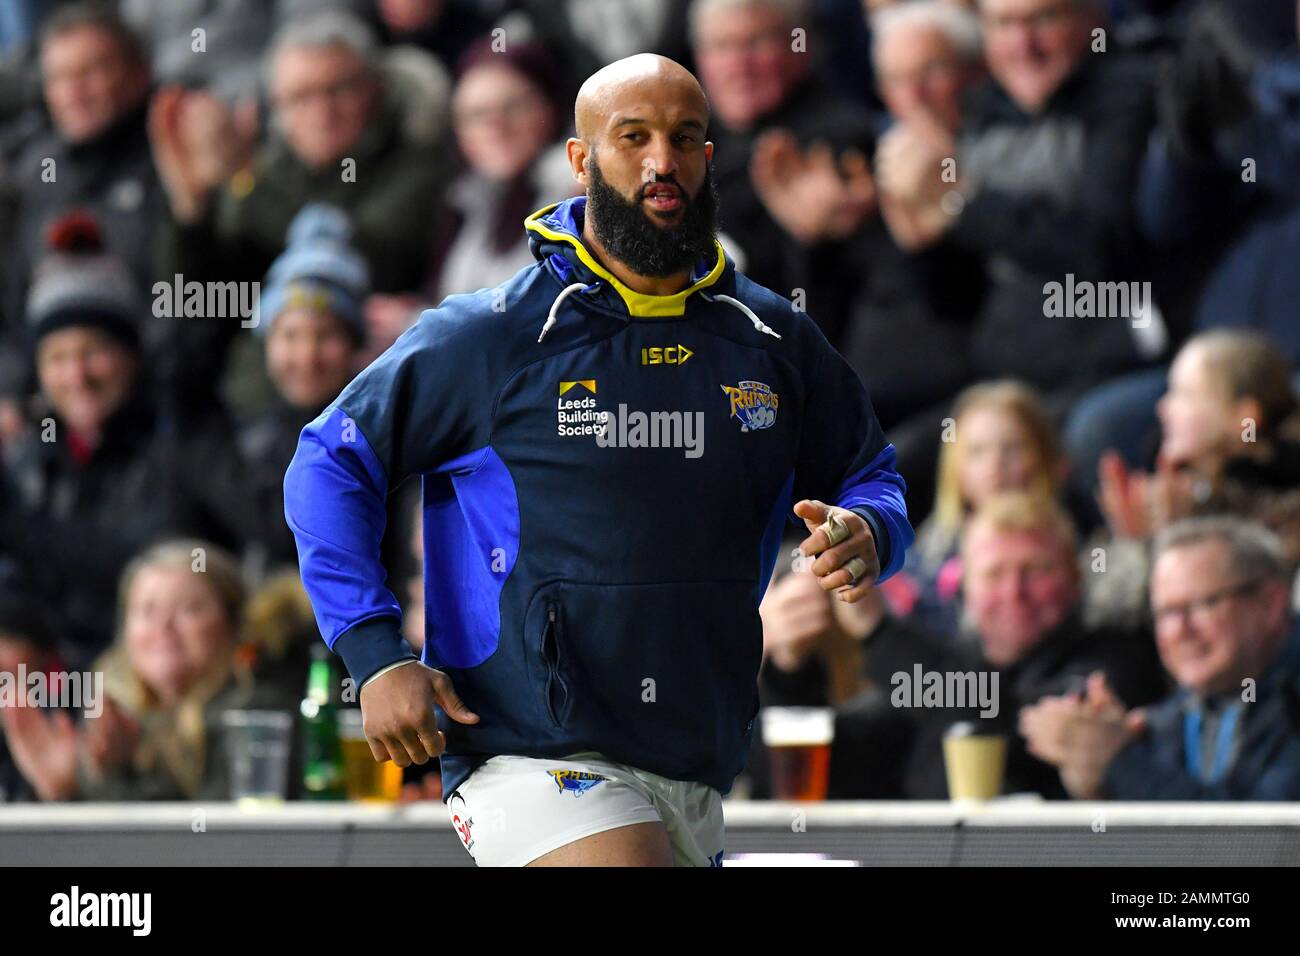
(555, 306)
(576, 286)
(758, 323)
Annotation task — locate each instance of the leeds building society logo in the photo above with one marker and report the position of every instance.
(576, 412)
(753, 404)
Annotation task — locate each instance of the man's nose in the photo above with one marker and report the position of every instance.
(1019, 40)
(1016, 585)
(78, 374)
(661, 160)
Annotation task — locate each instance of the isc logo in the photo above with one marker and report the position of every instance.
(669, 355)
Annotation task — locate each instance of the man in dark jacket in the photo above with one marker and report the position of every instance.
(592, 590)
(1038, 189)
(1220, 595)
(95, 156)
(98, 476)
(759, 81)
(1040, 185)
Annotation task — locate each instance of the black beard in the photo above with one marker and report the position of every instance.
(627, 233)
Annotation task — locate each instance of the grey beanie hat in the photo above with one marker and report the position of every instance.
(77, 283)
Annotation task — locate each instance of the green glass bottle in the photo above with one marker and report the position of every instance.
(322, 759)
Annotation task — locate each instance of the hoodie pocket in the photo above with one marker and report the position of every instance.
(663, 676)
(557, 688)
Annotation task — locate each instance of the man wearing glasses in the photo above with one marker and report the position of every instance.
(341, 131)
(1220, 598)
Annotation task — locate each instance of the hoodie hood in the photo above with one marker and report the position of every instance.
(555, 239)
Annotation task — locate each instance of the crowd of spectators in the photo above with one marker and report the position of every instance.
(1057, 239)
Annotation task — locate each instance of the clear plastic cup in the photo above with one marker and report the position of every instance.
(257, 748)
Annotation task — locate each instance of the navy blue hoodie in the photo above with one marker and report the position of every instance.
(606, 479)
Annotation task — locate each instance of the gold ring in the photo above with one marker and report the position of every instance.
(836, 530)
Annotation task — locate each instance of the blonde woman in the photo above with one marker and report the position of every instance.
(175, 667)
(999, 439)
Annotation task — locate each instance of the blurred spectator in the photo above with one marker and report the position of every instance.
(902, 319)
(811, 648)
(443, 28)
(1229, 444)
(25, 642)
(759, 80)
(208, 44)
(1218, 199)
(584, 36)
(339, 135)
(311, 319)
(169, 677)
(94, 478)
(19, 80)
(1038, 187)
(94, 155)
(1021, 594)
(1220, 596)
(507, 120)
(998, 439)
(280, 630)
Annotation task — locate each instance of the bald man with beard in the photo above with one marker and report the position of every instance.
(609, 446)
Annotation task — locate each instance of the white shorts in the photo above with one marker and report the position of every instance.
(512, 810)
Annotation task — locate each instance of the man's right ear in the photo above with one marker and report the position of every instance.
(577, 151)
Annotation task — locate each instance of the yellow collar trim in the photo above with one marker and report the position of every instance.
(638, 304)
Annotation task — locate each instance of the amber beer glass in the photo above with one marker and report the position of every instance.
(364, 778)
(798, 740)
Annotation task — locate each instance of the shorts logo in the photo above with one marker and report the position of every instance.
(462, 823)
(576, 782)
(753, 404)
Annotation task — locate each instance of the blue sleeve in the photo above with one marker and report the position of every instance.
(404, 415)
(844, 459)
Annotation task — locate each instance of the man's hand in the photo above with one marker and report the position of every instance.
(813, 195)
(1080, 735)
(796, 617)
(910, 170)
(44, 748)
(198, 143)
(397, 713)
(910, 160)
(831, 568)
(109, 741)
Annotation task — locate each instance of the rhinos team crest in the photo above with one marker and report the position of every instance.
(753, 404)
